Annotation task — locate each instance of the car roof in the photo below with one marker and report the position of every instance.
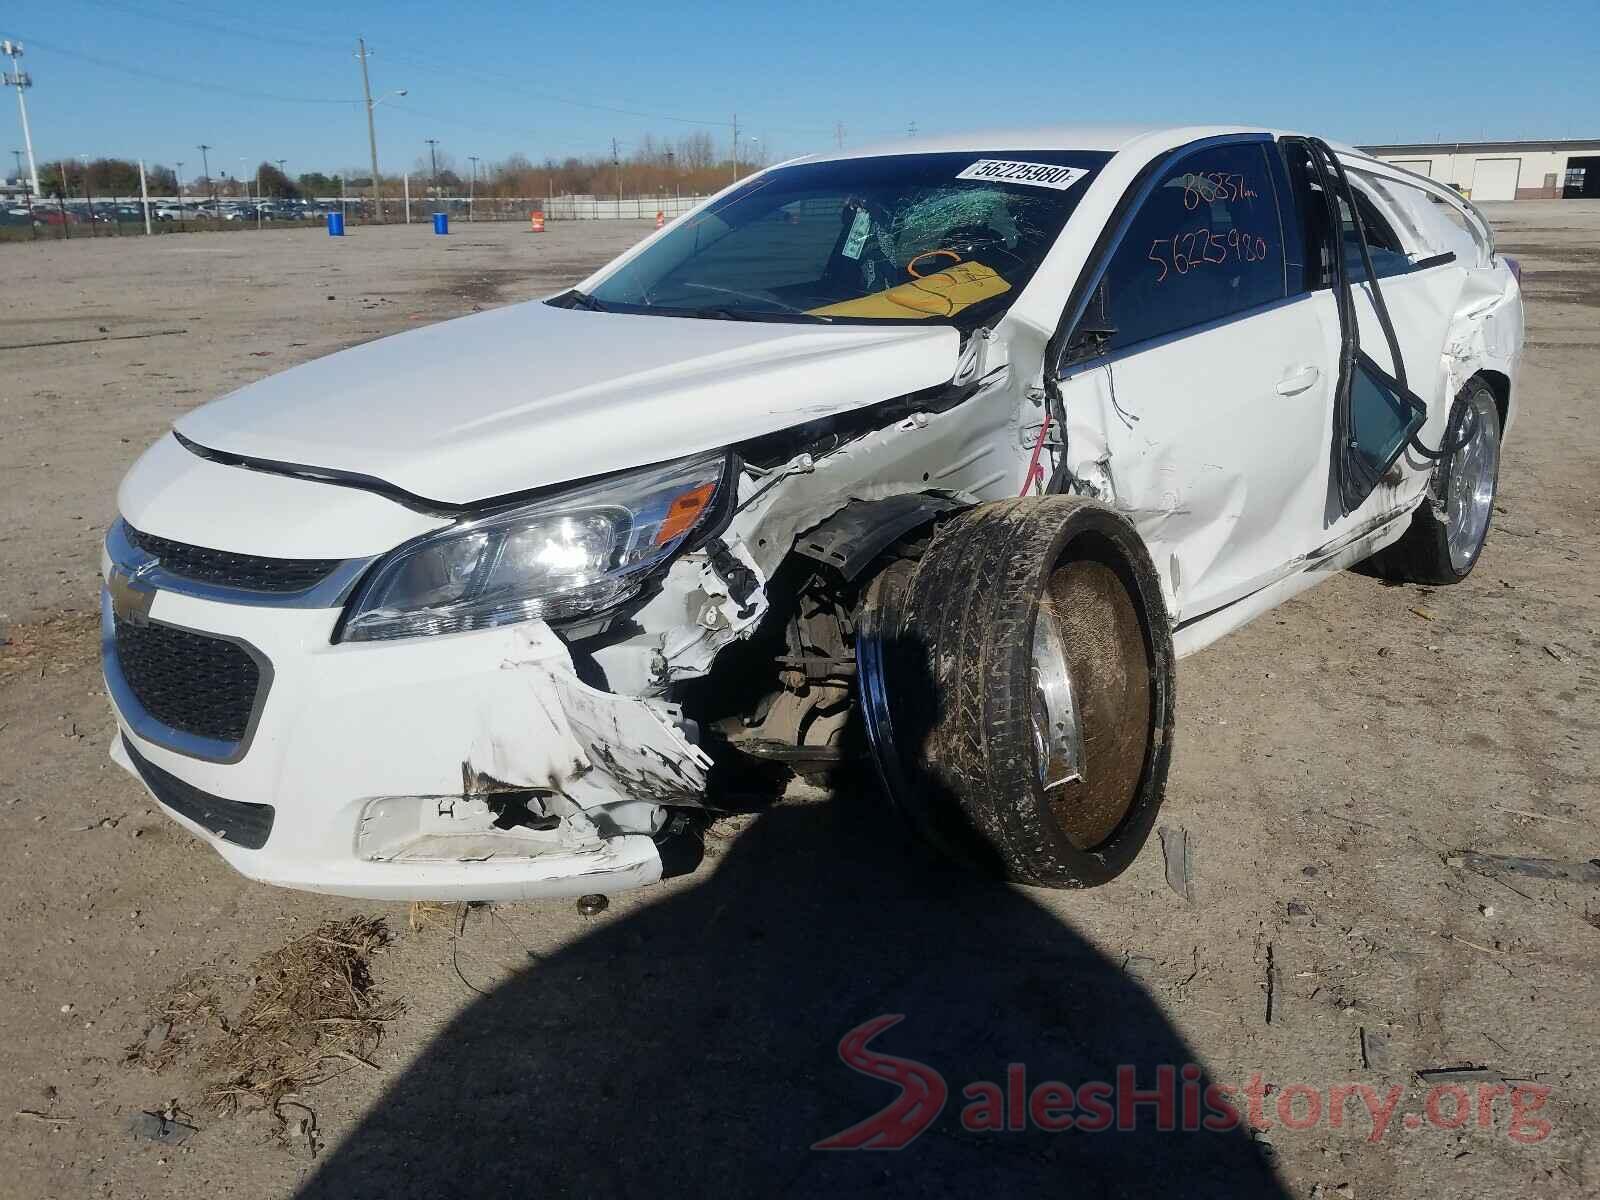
(1089, 136)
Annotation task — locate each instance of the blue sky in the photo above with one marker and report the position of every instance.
(153, 78)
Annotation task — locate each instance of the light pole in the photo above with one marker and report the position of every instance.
(433, 157)
(372, 132)
(22, 81)
(177, 179)
(472, 186)
(751, 144)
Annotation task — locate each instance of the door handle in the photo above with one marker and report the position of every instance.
(1298, 380)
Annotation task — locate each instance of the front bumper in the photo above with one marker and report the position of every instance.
(384, 764)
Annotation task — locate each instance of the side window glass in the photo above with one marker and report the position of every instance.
(1381, 422)
(1388, 256)
(1205, 244)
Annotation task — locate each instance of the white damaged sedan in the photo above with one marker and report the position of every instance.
(935, 456)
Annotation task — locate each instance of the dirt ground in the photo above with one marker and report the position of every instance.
(1331, 759)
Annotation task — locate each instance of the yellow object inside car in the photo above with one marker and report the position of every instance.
(941, 294)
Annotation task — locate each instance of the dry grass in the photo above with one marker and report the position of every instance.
(310, 1012)
(432, 914)
(56, 643)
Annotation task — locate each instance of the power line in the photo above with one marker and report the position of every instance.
(187, 21)
(477, 73)
(219, 88)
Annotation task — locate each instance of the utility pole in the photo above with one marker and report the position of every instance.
(838, 135)
(433, 157)
(21, 80)
(372, 133)
(616, 174)
(144, 198)
(87, 195)
(205, 166)
(472, 186)
(281, 171)
(736, 147)
(61, 197)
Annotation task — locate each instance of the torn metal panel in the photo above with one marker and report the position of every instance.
(962, 453)
(723, 591)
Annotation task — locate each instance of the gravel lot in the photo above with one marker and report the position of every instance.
(1330, 760)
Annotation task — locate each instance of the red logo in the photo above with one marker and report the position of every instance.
(921, 1099)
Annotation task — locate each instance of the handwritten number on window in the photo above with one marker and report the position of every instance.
(1191, 251)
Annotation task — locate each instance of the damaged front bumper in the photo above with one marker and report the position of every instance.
(470, 766)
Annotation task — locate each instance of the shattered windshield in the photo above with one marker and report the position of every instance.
(949, 238)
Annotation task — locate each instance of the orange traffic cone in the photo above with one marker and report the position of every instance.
(661, 219)
(536, 221)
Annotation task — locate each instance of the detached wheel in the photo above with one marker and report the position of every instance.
(1017, 686)
(1447, 532)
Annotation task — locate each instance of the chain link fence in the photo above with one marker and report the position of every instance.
(25, 218)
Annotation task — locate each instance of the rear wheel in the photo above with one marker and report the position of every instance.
(1017, 685)
(1447, 532)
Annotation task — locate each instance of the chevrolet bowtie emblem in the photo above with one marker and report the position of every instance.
(130, 598)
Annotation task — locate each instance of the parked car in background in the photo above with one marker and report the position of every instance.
(947, 449)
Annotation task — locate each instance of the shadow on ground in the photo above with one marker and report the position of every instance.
(692, 1047)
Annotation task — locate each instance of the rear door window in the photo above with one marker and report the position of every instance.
(1205, 244)
(1388, 255)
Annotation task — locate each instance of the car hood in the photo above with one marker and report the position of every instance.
(530, 394)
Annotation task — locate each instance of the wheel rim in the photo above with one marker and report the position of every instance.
(1057, 732)
(1469, 491)
(1091, 701)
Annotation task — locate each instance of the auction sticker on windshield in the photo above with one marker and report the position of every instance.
(1002, 170)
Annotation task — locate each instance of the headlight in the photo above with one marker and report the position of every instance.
(577, 552)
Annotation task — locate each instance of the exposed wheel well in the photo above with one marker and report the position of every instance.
(1500, 385)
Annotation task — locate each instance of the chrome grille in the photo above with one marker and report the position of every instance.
(224, 568)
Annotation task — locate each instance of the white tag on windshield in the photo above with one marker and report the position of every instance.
(1002, 170)
(859, 228)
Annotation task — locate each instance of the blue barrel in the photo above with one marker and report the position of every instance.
(441, 222)
(336, 224)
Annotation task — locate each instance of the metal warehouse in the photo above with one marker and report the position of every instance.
(1521, 170)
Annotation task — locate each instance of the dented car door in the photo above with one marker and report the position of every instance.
(1197, 383)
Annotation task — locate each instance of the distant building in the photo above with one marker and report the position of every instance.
(1564, 168)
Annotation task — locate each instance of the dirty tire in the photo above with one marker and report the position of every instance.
(1426, 552)
(959, 693)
